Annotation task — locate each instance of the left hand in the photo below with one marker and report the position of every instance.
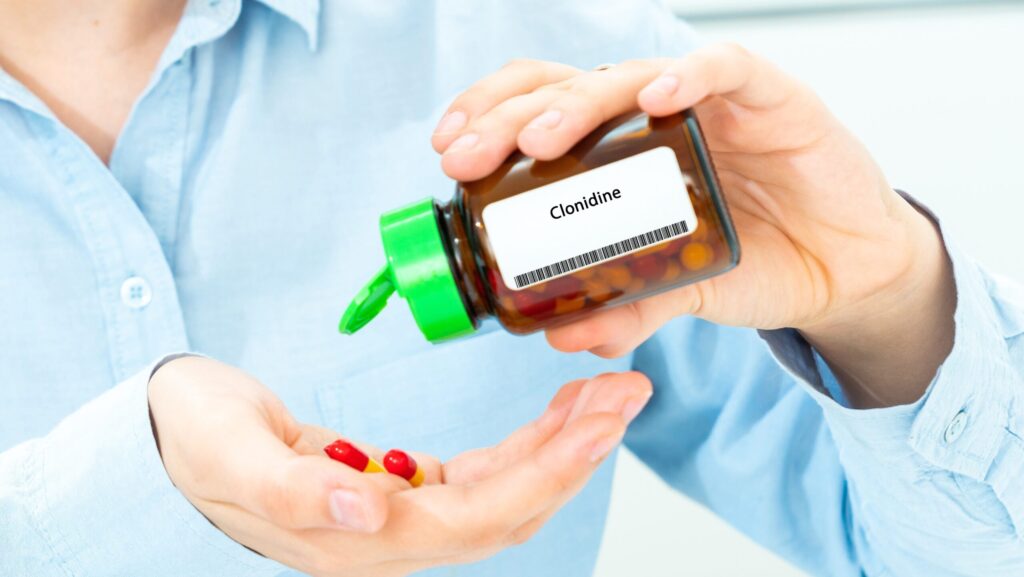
(238, 455)
(828, 247)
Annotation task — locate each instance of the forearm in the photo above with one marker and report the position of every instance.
(934, 483)
(91, 497)
(885, 351)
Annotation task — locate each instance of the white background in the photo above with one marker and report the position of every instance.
(719, 7)
(938, 96)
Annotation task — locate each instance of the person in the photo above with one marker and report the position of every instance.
(204, 176)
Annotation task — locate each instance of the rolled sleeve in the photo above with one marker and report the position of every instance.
(936, 484)
(100, 502)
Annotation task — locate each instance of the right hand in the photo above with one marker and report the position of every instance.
(231, 447)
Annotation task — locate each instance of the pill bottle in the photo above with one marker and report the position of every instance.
(632, 210)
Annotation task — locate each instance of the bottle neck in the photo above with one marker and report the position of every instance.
(464, 265)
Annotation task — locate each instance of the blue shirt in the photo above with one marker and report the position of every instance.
(237, 216)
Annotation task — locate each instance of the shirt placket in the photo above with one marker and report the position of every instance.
(129, 232)
(135, 285)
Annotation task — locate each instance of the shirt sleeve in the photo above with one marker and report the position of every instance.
(929, 489)
(92, 498)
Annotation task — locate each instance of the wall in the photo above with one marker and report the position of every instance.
(938, 96)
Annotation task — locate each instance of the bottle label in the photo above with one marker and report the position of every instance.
(589, 218)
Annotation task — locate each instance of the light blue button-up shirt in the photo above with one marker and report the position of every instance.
(238, 215)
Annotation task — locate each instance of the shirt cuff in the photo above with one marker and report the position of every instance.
(967, 422)
(109, 507)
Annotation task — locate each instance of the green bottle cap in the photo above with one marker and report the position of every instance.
(418, 269)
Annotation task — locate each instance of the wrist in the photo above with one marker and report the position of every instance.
(152, 374)
(886, 347)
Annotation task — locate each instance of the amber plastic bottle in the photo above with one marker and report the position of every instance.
(633, 210)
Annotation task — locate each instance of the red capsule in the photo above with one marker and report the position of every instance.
(564, 286)
(533, 304)
(400, 463)
(349, 454)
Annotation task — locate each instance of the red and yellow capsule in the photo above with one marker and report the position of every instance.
(400, 463)
(345, 452)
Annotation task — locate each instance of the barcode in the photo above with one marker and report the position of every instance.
(602, 254)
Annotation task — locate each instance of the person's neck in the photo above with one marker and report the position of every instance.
(110, 25)
(87, 60)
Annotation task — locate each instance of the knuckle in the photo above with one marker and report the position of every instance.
(737, 51)
(513, 63)
(583, 105)
(491, 536)
(558, 479)
(276, 504)
(483, 537)
(470, 100)
(523, 534)
(562, 482)
(560, 86)
(527, 73)
(502, 119)
(640, 63)
(324, 563)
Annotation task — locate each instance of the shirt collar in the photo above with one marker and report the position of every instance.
(305, 13)
(202, 21)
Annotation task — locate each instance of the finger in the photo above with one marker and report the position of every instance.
(626, 394)
(317, 551)
(433, 473)
(618, 331)
(491, 138)
(471, 466)
(295, 491)
(726, 70)
(606, 395)
(313, 438)
(517, 77)
(482, 516)
(588, 101)
(623, 394)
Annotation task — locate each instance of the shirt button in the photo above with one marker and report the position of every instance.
(136, 293)
(955, 428)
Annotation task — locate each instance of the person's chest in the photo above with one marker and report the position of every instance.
(239, 215)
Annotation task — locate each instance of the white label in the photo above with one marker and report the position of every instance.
(580, 221)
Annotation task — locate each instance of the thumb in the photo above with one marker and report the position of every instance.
(295, 491)
(618, 331)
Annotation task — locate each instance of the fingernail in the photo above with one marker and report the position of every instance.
(348, 510)
(633, 407)
(451, 122)
(600, 449)
(664, 85)
(464, 142)
(547, 120)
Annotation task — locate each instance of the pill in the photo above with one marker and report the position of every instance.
(695, 256)
(349, 454)
(597, 291)
(400, 463)
(648, 266)
(616, 276)
(565, 306)
(584, 273)
(671, 271)
(533, 304)
(636, 285)
(564, 286)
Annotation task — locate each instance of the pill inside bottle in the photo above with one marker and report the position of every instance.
(633, 210)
